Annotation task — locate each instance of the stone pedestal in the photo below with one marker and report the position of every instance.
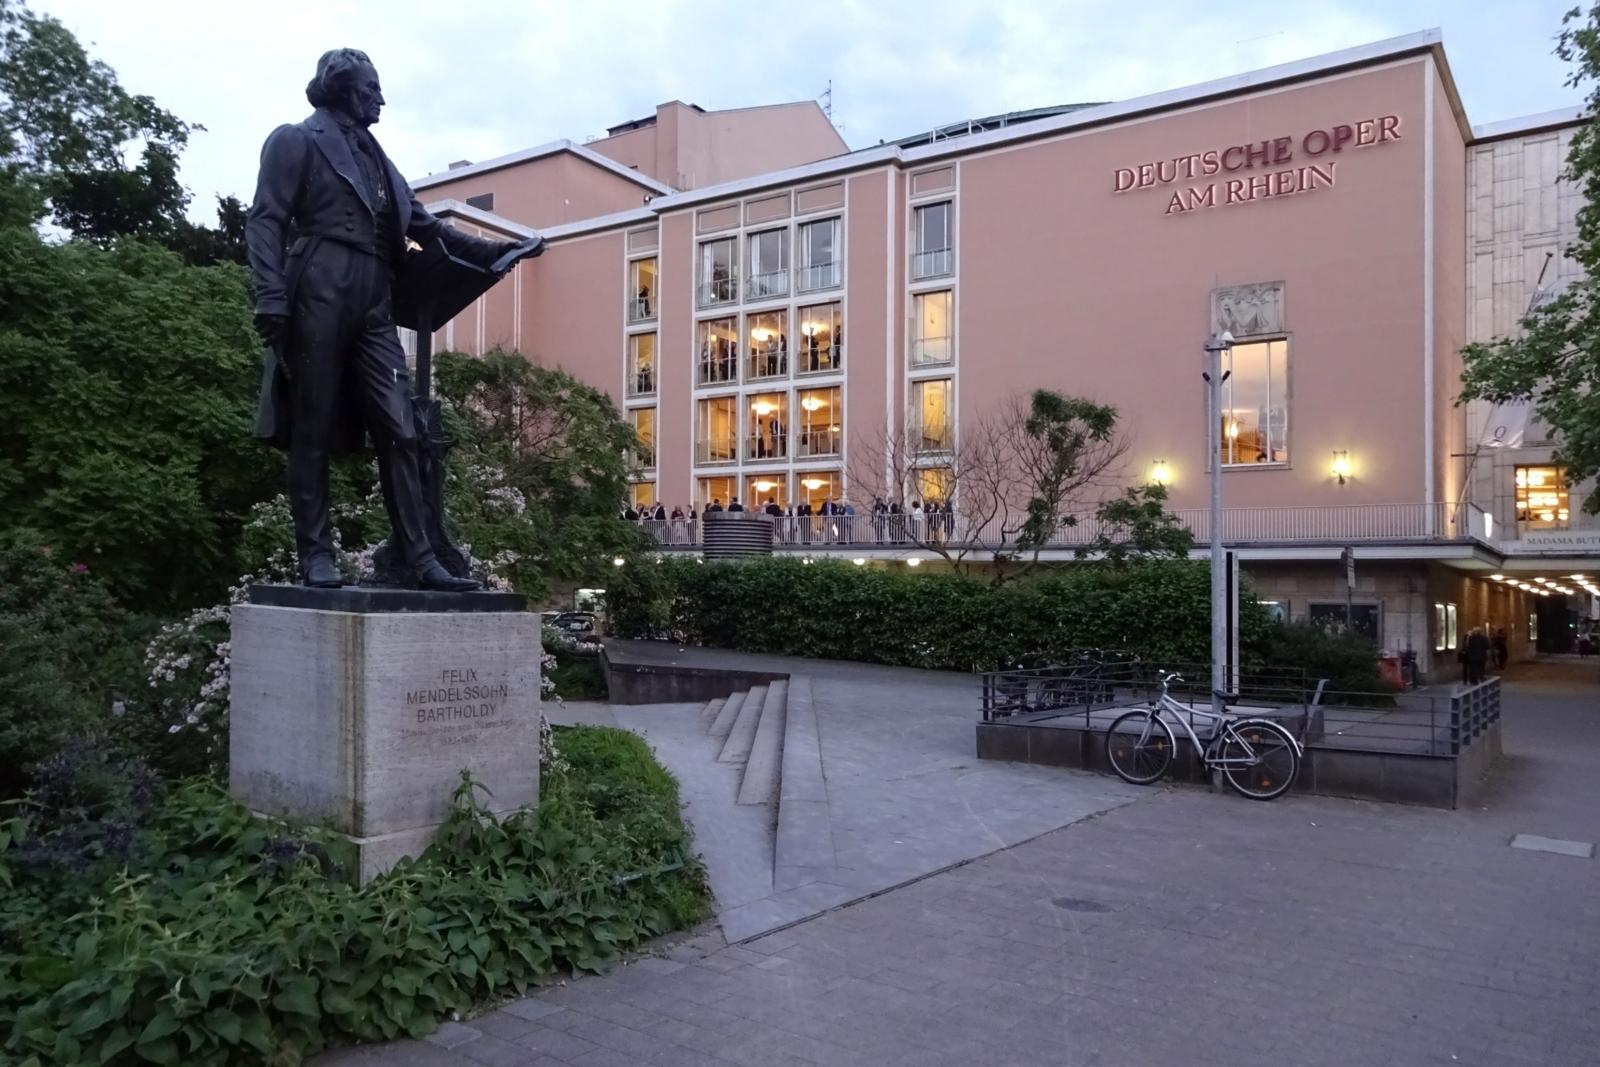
(359, 708)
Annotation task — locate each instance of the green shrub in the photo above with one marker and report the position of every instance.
(68, 652)
(211, 936)
(1344, 657)
(1157, 609)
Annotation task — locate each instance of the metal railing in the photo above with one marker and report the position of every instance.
(818, 359)
(713, 370)
(770, 283)
(763, 446)
(823, 442)
(930, 351)
(1341, 524)
(718, 291)
(641, 382)
(640, 309)
(818, 276)
(769, 362)
(933, 263)
(725, 450)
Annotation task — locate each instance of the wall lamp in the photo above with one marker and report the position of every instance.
(1160, 473)
(1341, 464)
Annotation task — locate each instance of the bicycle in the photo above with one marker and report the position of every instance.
(1258, 757)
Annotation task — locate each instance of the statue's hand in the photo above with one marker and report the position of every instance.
(274, 329)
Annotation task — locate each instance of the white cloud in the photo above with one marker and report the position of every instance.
(477, 78)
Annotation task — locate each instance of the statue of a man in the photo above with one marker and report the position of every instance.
(328, 230)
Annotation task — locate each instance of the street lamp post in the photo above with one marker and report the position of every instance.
(1214, 376)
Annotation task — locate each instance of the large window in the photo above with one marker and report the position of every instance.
(715, 490)
(1542, 498)
(819, 422)
(931, 415)
(716, 431)
(1255, 403)
(1365, 619)
(935, 254)
(818, 487)
(641, 364)
(718, 341)
(1444, 627)
(767, 428)
(719, 271)
(769, 265)
(644, 434)
(642, 495)
(819, 255)
(933, 485)
(764, 489)
(642, 290)
(933, 315)
(768, 344)
(821, 345)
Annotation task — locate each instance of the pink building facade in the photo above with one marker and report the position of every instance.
(830, 328)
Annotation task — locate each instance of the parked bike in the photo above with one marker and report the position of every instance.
(1258, 757)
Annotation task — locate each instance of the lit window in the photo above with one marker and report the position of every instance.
(820, 430)
(931, 337)
(819, 255)
(718, 341)
(716, 490)
(767, 431)
(764, 489)
(641, 364)
(818, 487)
(769, 265)
(821, 344)
(719, 271)
(934, 485)
(642, 495)
(1441, 639)
(768, 344)
(934, 256)
(1255, 403)
(642, 290)
(931, 415)
(716, 436)
(1450, 626)
(1542, 498)
(644, 433)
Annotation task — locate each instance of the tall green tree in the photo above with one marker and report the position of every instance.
(1556, 364)
(66, 126)
(127, 386)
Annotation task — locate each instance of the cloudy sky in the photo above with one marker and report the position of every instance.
(471, 79)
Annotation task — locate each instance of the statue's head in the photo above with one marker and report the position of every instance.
(347, 82)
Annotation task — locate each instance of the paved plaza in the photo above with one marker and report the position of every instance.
(1185, 926)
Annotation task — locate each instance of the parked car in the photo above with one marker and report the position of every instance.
(574, 622)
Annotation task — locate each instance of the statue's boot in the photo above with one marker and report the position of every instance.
(320, 573)
(434, 576)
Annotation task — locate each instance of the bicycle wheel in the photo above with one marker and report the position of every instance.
(1273, 759)
(1140, 746)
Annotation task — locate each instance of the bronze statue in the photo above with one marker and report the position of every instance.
(341, 252)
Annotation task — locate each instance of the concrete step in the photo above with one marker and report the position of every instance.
(726, 716)
(708, 714)
(803, 850)
(736, 749)
(765, 765)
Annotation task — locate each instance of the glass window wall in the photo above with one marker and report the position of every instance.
(719, 271)
(718, 344)
(642, 290)
(768, 344)
(716, 490)
(1255, 398)
(767, 426)
(764, 489)
(641, 364)
(769, 265)
(819, 255)
(716, 434)
(931, 415)
(821, 345)
(820, 416)
(935, 256)
(644, 434)
(1543, 501)
(932, 336)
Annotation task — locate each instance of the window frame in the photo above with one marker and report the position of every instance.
(918, 340)
(928, 263)
(806, 281)
(651, 304)
(655, 424)
(1228, 406)
(1521, 501)
(918, 386)
(631, 384)
(702, 450)
(704, 361)
(754, 292)
(834, 350)
(705, 295)
(803, 429)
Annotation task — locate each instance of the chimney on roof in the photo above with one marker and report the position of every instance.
(458, 164)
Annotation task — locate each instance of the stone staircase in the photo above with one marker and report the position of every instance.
(747, 730)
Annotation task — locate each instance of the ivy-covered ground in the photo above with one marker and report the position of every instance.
(143, 922)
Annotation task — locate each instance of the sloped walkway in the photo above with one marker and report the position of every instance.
(879, 785)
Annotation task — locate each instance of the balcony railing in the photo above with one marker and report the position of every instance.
(718, 291)
(725, 450)
(818, 276)
(819, 359)
(932, 438)
(642, 382)
(641, 309)
(1334, 524)
(930, 351)
(769, 362)
(759, 445)
(768, 284)
(932, 264)
(823, 442)
(716, 369)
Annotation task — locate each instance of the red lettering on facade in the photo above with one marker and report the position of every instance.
(1122, 179)
(1389, 128)
(1341, 137)
(1228, 154)
(1208, 162)
(1281, 152)
(1366, 133)
(1316, 142)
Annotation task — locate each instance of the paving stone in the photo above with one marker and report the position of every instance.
(1534, 843)
(452, 1035)
(531, 1008)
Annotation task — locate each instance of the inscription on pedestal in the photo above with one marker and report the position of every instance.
(457, 707)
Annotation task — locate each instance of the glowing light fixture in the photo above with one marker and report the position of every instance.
(763, 407)
(761, 333)
(1233, 428)
(617, 561)
(812, 403)
(913, 562)
(1497, 577)
(812, 483)
(859, 562)
(1160, 473)
(764, 486)
(1341, 464)
(810, 328)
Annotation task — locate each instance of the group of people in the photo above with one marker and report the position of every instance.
(833, 521)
